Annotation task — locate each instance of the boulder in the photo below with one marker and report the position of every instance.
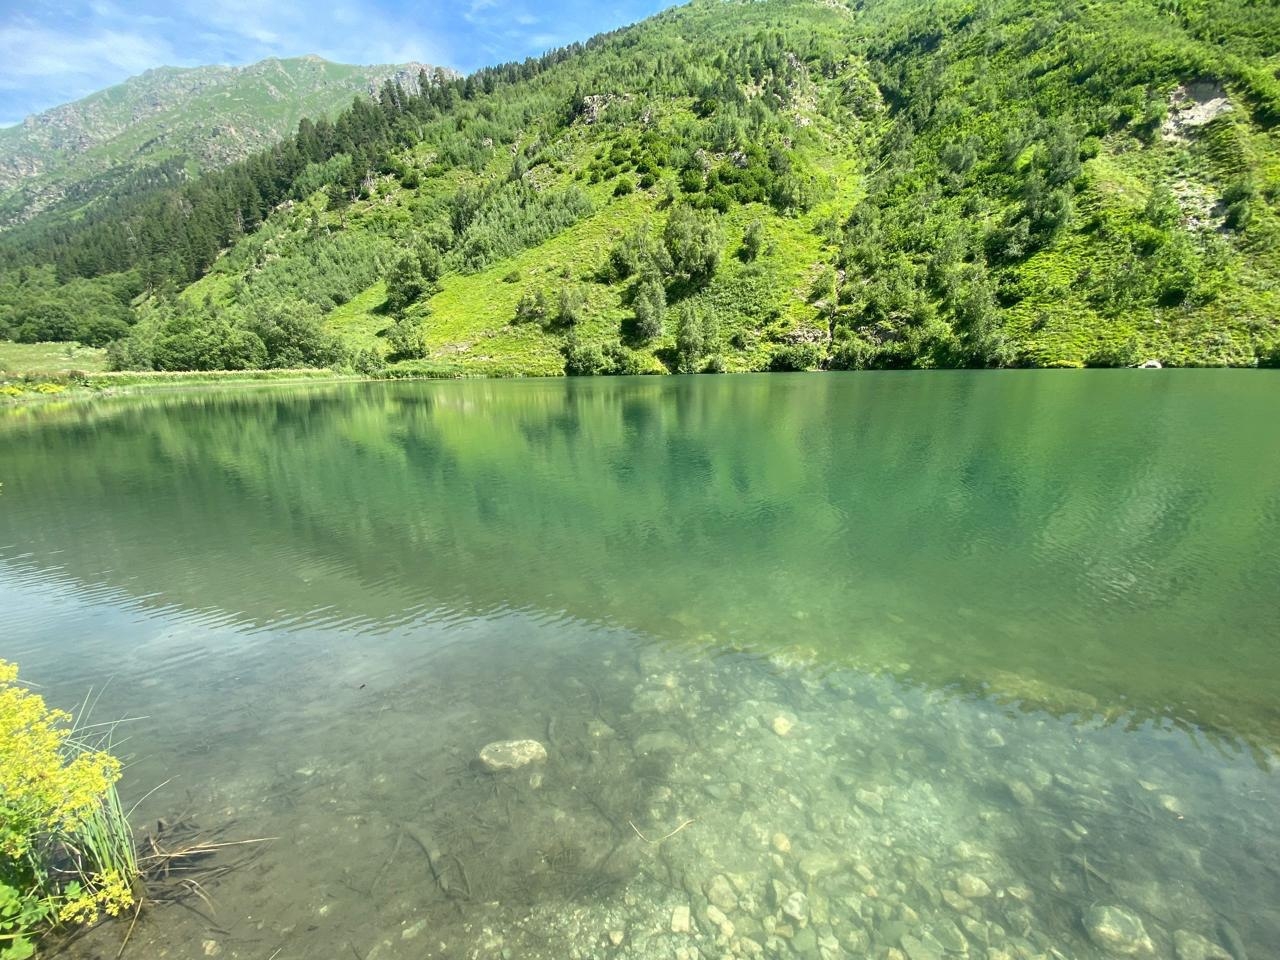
(1117, 931)
(511, 754)
(1192, 946)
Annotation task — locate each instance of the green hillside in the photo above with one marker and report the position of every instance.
(167, 123)
(785, 184)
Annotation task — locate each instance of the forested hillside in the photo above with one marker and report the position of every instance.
(168, 124)
(786, 184)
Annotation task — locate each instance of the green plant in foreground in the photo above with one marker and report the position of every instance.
(66, 850)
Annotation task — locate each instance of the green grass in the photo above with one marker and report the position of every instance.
(360, 320)
(56, 359)
(43, 388)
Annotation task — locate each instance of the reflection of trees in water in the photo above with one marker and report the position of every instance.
(1095, 545)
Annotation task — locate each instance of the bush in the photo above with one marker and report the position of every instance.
(795, 356)
(752, 241)
(131, 353)
(1238, 200)
(696, 336)
(407, 340)
(532, 307)
(207, 342)
(45, 321)
(629, 254)
(572, 306)
(294, 336)
(405, 282)
(1124, 353)
(650, 306)
(57, 797)
(693, 240)
(583, 359)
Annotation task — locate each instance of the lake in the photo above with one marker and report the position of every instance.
(890, 665)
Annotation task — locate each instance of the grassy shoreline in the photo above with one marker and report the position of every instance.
(33, 386)
(28, 387)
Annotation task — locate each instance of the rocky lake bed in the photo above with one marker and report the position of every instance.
(664, 806)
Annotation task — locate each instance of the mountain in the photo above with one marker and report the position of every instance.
(772, 185)
(181, 120)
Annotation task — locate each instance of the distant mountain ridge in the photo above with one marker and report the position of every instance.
(184, 119)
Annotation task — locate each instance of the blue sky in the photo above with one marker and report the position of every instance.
(52, 52)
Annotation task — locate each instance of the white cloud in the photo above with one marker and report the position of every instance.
(33, 52)
(542, 41)
(251, 29)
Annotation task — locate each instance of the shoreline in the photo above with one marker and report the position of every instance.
(20, 389)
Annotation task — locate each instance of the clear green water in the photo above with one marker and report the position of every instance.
(927, 628)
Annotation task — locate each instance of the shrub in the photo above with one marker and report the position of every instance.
(693, 240)
(1238, 200)
(207, 342)
(795, 356)
(66, 853)
(572, 306)
(583, 359)
(1123, 353)
(405, 282)
(628, 255)
(650, 306)
(407, 340)
(696, 336)
(532, 307)
(294, 335)
(752, 241)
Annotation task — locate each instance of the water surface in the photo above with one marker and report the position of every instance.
(876, 636)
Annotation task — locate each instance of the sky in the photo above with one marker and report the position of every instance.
(54, 51)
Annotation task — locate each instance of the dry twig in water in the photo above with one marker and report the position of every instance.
(660, 839)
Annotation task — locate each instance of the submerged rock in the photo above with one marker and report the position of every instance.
(815, 865)
(660, 741)
(721, 894)
(1192, 946)
(1021, 793)
(972, 887)
(680, 919)
(796, 907)
(949, 935)
(917, 949)
(1117, 931)
(511, 754)
(870, 799)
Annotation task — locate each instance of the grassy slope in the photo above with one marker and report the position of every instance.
(207, 115)
(1055, 325)
(1053, 319)
(469, 322)
(28, 359)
